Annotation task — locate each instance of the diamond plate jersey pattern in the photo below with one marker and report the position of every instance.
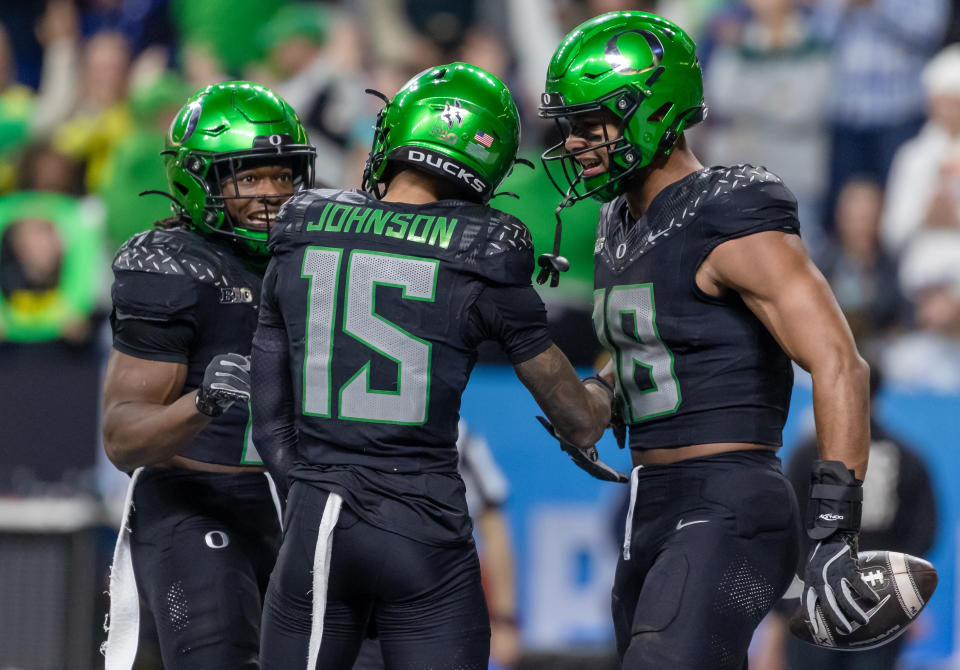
(170, 252)
(620, 243)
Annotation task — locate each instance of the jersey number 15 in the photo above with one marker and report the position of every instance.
(365, 271)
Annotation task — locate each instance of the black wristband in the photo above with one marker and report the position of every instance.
(600, 381)
(207, 405)
(836, 500)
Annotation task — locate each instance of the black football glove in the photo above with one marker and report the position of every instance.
(831, 576)
(588, 459)
(617, 424)
(225, 381)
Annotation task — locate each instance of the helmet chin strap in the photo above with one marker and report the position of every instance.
(551, 265)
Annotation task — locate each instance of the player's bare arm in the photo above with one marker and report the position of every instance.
(146, 417)
(779, 283)
(579, 412)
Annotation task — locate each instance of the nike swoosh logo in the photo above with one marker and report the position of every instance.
(681, 524)
(651, 237)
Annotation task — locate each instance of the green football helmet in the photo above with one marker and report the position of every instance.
(222, 130)
(455, 121)
(639, 67)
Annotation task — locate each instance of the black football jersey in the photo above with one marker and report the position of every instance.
(691, 368)
(384, 305)
(179, 297)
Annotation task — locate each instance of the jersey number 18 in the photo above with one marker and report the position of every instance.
(625, 318)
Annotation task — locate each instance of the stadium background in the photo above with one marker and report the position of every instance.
(827, 93)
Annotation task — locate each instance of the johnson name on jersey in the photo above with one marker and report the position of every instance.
(691, 368)
(179, 297)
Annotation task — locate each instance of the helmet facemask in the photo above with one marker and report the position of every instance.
(566, 172)
(224, 187)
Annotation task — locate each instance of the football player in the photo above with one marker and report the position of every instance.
(203, 529)
(704, 294)
(373, 307)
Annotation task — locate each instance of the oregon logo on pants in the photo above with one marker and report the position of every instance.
(216, 539)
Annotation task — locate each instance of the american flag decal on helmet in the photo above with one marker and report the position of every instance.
(483, 138)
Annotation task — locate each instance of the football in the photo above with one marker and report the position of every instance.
(904, 583)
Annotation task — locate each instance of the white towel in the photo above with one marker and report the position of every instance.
(321, 574)
(123, 623)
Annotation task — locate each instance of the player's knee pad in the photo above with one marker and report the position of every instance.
(656, 607)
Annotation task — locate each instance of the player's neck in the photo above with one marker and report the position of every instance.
(411, 187)
(680, 163)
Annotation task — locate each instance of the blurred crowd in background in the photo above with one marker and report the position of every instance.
(854, 103)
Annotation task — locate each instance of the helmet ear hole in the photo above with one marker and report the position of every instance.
(660, 113)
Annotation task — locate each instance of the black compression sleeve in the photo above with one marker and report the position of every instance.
(167, 341)
(515, 317)
(272, 404)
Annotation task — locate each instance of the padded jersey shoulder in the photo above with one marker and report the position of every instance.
(175, 252)
(496, 246)
(731, 201)
(157, 273)
(293, 214)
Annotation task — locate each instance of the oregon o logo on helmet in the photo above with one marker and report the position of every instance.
(195, 108)
(276, 140)
(621, 63)
(217, 539)
(453, 169)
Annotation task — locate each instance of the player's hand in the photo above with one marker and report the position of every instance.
(587, 459)
(225, 381)
(832, 579)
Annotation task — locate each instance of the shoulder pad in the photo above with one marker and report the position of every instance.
(173, 252)
(297, 210)
(499, 248)
(735, 200)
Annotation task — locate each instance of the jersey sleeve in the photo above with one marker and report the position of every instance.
(154, 308)
(758, 203)
(513, 316)
(167, 341)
